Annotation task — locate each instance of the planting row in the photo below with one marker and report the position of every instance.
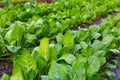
(75, 55)
(19, 35)
(83, 10)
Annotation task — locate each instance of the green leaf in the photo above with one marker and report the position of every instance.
(97, 45)
(40, 21)
(44, 48)
(105, 32)
(77, 48)
(13, 48)
(96, 35)
(31, 37)
(70, 72)
(57, 72)
(115, 51)
(41, 63)
(5, 77)
(44, 77)
(107, 40)
(8, 35)
(28, 65)
(17, 74)
(100, 53)
(68, 40)
(17, 33)
(2, 49)
(111, 66)
(59, 37)
(83, 44)
(79, 72)
(94, 29)
(69, 58)
(64, 50)
(58, 48)
(94, 65)
(51, 23)
(79, 68)
(80, 33)
(87, 52)
(111, 74)
(53, 53)
(102, 60)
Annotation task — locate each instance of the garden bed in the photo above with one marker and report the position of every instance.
(47, 45)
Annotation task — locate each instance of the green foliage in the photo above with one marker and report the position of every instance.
(25, 67)
(5, 77)
(45, 48)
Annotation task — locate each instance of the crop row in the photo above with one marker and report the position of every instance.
(75, 55)
(49, 25)
(62, 54)
(83, 10)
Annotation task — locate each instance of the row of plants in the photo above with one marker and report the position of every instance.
(61, 8)
(7, 2)
(19, 35)
(75, 55)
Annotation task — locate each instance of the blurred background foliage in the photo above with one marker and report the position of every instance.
(6, 2)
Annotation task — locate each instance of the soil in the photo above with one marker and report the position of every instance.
(96, 21)
(84, 25)
(48, 1)
(6, 67)
(117, 72)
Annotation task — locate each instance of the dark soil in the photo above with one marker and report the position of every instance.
(5, 67)
(96, 21)
(48, 1)
(15, 3)
(117, 72)
(84, 25)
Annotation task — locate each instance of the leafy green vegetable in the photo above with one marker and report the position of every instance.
(17, 74)
(107, 40)
(63, 54)
(69, 58)
(57, 72)
(13, 48)
(44, 48)
(79, 67)
(44, 77)
(5, 77)
(94, 65)
(25, 67)
(68, 40)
